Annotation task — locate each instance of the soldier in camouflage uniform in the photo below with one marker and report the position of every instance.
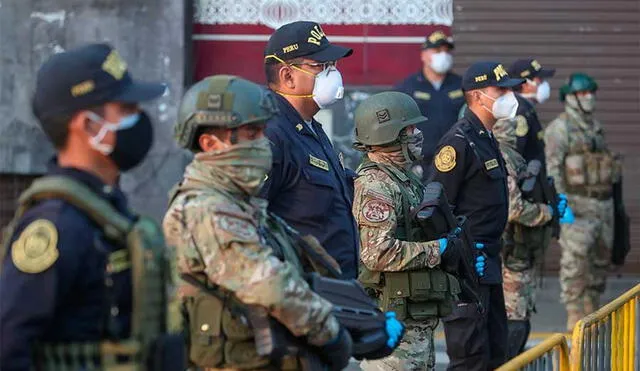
(227, 241)
(583, 168)
(391, 243)
(523, 241)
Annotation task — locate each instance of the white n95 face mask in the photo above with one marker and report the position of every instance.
(441, 62)
(504, 107)
(328, 87)
(544, 92)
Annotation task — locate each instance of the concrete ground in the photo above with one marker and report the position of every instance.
(550, 318)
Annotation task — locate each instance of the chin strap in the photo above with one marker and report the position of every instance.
(294, 95)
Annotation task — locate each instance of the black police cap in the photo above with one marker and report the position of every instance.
(436, 39)
(87, 76)
(530, 68)
(484, 74)
(303, 39)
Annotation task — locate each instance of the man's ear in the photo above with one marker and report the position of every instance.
(286, 77)
(213, 142)
(424, 56)
(80, 122)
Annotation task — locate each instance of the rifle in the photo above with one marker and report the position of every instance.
(621, 241)
(435, 217)
(357, 313)
(352, 306)
(537, 188)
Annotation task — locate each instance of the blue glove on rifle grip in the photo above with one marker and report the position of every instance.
(562, 204)
(394, 329)
(480, 260)
(568, 217)
(443, 245)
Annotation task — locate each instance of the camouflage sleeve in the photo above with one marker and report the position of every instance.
(556, 147)
(374, 211)
(227, 241)
(522, 211)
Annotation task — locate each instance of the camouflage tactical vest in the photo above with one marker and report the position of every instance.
(590, 169)
(218, 333)
(420, 294)
(142, 252)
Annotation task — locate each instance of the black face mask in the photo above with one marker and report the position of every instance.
(133, 144)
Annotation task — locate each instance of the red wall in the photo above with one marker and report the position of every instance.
(372, 63)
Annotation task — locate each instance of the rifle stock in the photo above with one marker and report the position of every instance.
(621, 238)
(357, 313)
(551, 196)
(537, 187)
(437, 220)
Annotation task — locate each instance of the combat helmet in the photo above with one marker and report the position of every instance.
(221, 101)
(380, 118)
(578, 82)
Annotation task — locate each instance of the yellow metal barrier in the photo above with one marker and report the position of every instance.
(609, 338)
(551, 354)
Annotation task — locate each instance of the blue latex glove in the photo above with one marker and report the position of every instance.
(443, 245)
(568, 217)
(394, 329)
(562, 204)
(480, 260)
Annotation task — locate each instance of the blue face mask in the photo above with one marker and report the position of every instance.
(134, 137)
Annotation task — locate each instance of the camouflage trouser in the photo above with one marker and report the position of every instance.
(586, 252)
(520, 276)
(519, 293)
(416, 351)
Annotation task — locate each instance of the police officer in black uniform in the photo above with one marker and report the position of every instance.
(55, 285)
(437, 91)
(309, 186)
(469, 165)
(534, 91)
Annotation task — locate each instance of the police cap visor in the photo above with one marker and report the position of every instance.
(331, 53)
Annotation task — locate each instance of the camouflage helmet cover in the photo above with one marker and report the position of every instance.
(221, 101)
(380, 118)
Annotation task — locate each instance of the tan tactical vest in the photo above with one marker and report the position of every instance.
(143, 253)
(590, 169)
(219, 335)
(419, 294)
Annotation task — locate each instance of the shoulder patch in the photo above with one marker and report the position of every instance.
(37, 247)
(237, 227)
(445, 160)
(376, 211)
(541, 135)
(233, 224)
(522, 127)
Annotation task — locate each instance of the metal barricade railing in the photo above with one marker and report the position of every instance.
(609, 338)
(550, 355)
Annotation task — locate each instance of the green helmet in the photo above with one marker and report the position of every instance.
(381, 117)
(577, 82)
(221, 101)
